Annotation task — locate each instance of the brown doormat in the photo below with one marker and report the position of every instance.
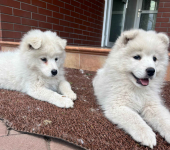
(84, 125)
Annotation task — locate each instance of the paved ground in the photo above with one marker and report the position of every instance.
(12, 140)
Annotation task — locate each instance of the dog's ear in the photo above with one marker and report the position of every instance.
(35, 43)
(164, 38)
(63, 43)
(129, 35)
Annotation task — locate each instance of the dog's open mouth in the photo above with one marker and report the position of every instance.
(143, 81)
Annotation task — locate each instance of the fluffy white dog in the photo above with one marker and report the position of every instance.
(128, 86)
(36, 68)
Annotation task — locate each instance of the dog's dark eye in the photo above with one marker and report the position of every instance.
(44, 59)
(154, 58)
(137, 57)
(56, 59)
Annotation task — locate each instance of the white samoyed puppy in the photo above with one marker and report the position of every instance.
(128, 87)
(36, 68)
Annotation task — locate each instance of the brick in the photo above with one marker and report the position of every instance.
(56, 144)
(69, 41)
(26, 1)
(164, 10)
(91, 20)
(74, 14)
(86, 33)
(29, 7)
(87, 3)
(58, 3)
(83, 17)
(101, 18)
(92, 34)
(69, 18)
(52, 20)
(158, 24)
(75, 3)
(161, 29)
(39, 3)
(12, 19)
(77, 31)
(48, 1)
(22, 142)
(58, 27)
(166, 15)
(64, 34)
(79, 10)
(3, 129)
(10, 3)
(6, 10)
(84, 7)
(166, 4)
(8, 39)
(161, 5)
(87, 13)
(58, 15)
(53, 7)
(82, 27)
(22, 13)
(86, 23)
(85, 42)
(42, 29)
(70, 7)
(90, 29)
(79, 21)
(11, 34)
(64, 11)
(21, 28)
(95, 7)
(29, 22)
(44, 12)
(38, 17)
(67, 29)
(77, 41)
(162, 20)
(82, 37)
(72, 35)
(92, 10)
(94, 16)
(6, 26)
(165, 24)
(67, 1)
(45, 25)
(64, 23)
(74, 25)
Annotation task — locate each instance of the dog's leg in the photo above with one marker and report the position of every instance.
(133, 124)
(44, 94)
(159, 118)
(66, 90)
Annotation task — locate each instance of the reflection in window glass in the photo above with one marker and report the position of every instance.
(150, 5)
(147, 21)
(116, 25)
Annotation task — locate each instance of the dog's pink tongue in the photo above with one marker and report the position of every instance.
(144, 81)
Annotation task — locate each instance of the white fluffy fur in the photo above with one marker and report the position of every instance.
(130, 105)
(23, 70)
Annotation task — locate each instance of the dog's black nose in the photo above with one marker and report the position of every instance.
(54, 72)
(150, 71)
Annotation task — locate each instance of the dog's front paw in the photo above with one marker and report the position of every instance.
(64, 102)
(146, 137)
(71, 95)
